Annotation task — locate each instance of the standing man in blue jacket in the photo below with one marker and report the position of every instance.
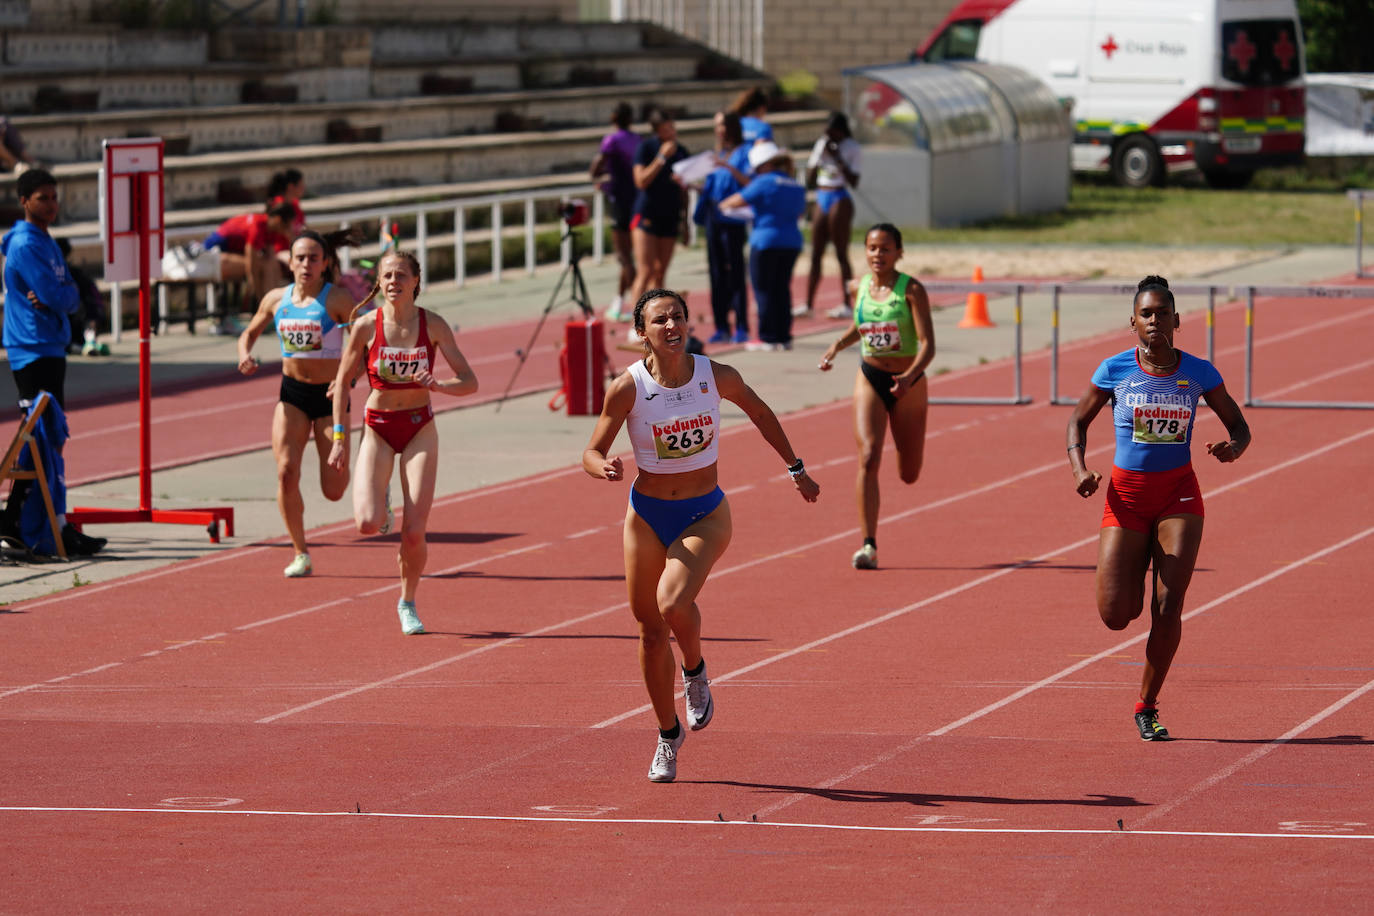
(40, 295)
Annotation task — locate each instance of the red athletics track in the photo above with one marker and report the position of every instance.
(953, 730)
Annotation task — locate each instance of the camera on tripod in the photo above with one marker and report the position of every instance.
(573, 212)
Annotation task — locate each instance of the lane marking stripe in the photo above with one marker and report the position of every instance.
(715, 824)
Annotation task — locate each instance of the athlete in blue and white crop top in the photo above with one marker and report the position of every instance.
(675, 429)
(307, 331)
(679, 522)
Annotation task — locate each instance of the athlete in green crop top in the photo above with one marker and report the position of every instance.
(893, 326)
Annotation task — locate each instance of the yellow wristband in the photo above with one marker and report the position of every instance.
(340, 437)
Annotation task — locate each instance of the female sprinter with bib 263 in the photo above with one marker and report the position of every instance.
(397, 342)
(309, 314)
(678, 523)
(892, 325)
(1154, 506)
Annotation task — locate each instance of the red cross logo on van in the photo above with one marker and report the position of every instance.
(1285, 50)
(1109, 47)
(1241, 51)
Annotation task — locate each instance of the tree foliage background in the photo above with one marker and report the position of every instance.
(1339, 35)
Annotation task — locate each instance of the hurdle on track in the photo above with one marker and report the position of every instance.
(1294, 292)
(1211, 292)
(1018, 289)
(1119, 290)
(1358, 195)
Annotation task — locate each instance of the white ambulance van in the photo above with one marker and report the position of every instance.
(1157, 87)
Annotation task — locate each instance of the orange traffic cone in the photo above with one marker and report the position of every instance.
(976, 309)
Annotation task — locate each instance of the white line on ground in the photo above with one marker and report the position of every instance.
(1227, 772)
(981, 580)
(688, 822)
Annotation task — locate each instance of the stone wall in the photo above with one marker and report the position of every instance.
(823, 37)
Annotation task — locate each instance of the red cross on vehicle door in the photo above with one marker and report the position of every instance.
(1242, 51)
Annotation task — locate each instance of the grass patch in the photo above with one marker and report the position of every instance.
(1281, 209)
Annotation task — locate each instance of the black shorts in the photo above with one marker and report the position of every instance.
(882, 383)
(47, 373)
(661, 223)
(621, 213)
(311, 400)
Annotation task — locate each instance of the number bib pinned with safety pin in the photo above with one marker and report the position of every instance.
(1161, 424)
(400, 365)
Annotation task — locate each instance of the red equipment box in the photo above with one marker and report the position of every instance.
(582, 359)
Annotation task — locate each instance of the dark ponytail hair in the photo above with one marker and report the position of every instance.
(281, 181)
(889, 229)
(650, 296)
(331, 257)
(1156, 284)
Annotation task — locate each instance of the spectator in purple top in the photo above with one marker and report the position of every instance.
(613, 169)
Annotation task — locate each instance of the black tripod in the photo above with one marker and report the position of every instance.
(580, 298)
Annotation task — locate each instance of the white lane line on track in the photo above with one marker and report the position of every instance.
(1060, 675)
(688, 822)
(287, 616)
(790, 551)
(1227, 772)
(1316, 379)
(988, 577)
(102, 476)
(259, 403)
(747, 565)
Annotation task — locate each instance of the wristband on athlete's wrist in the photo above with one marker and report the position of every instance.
(796, 470)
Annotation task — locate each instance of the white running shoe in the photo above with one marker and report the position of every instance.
(866, 557)
(386, 521)
(299, 566)
(700, 707)
(840, 312)
(616, 311)
(801, 310)
(410, 624)
(664, 767)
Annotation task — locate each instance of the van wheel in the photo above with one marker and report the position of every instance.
(1227, 180)
(1136, 163)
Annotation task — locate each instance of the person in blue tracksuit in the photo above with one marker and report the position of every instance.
(40, 295)
(778, 201)
(726, 235)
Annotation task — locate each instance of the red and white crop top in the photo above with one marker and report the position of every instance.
(389, 368)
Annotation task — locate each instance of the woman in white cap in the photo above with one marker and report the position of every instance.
(775, 240)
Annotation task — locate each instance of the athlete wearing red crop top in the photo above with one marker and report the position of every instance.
(398, 341)
(1154, 506)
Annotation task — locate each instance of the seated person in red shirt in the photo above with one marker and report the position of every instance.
(253, 247)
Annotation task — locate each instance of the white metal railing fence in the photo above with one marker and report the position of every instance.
(731, 27)
(423, 241)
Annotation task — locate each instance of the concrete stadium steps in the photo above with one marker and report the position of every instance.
(101, 70)
(85, 89)
(196, 181)
(62, 138)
